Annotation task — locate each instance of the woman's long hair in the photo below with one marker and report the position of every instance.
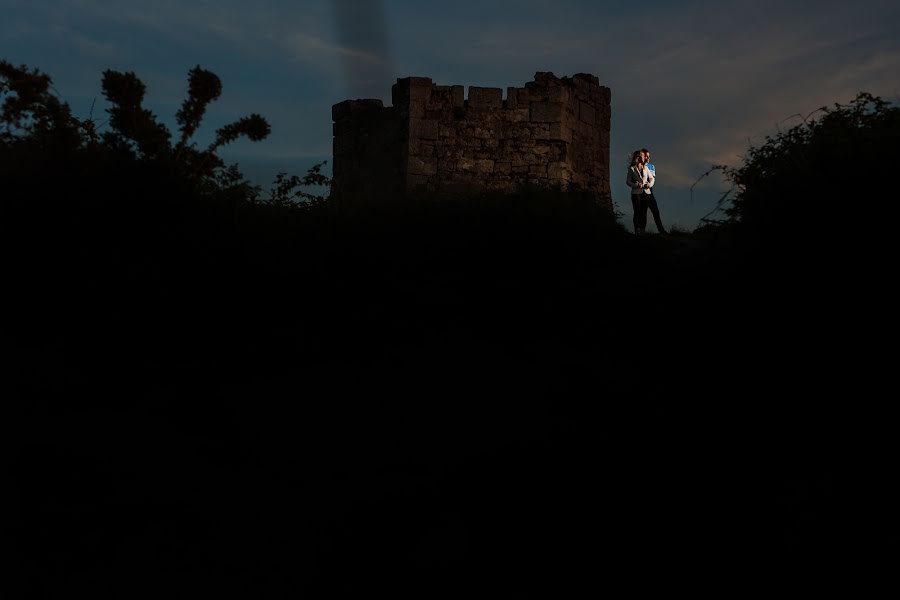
(634, 157)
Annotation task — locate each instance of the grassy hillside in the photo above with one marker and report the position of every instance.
(402, 400)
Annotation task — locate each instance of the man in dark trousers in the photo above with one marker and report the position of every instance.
(651, 201)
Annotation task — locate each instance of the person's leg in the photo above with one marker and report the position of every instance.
(636, 204)
(642, 211)
(654, 209)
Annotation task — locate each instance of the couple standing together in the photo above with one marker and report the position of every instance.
(641, 177)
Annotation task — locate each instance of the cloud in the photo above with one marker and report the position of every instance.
(95, 48)
(311, 48)
(364, 46)
(195, 23)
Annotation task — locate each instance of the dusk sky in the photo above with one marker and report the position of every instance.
(696, 82)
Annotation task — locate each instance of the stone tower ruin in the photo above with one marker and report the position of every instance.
(436, 142)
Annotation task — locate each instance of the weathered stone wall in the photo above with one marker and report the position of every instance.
(434, 141)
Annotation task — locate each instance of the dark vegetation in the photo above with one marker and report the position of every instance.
(217, 390)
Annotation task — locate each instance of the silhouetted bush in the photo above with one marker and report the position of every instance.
(825, 178)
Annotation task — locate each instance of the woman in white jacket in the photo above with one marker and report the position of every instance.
(640, 179)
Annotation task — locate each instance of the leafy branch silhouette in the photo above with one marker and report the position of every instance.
(32, 115)
(817, 157)
(136, 127)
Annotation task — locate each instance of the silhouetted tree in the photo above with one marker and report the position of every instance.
(136, 127)
(34, 121)
(31, 113)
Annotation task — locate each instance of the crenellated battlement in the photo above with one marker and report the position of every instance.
(436, 140)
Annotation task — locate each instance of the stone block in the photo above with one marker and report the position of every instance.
(512, 97)
(446, 165)
(499, 182)
(587, 77)
(457, 96)
(410, 95)
(546, 112)
(417, 82)
(521, 134)
(559, 170)
(603, 116)
(605, 95)
(446, 131)
(540, 131)
(484, 133)
(351, 108)
(439, 99)
(413, 107)
(423, 129)
(586, 113)
(584, 131)
(341, 110)
(422, 166)
(369, 105)
(423, 148)
(484, 165)
(482, 97)
(417, 87)
(558, 93)
(603, 138)
(518, 115)
(527, 95)
(559, 131)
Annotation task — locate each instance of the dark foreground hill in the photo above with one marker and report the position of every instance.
(207, 393)
(515, 398)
